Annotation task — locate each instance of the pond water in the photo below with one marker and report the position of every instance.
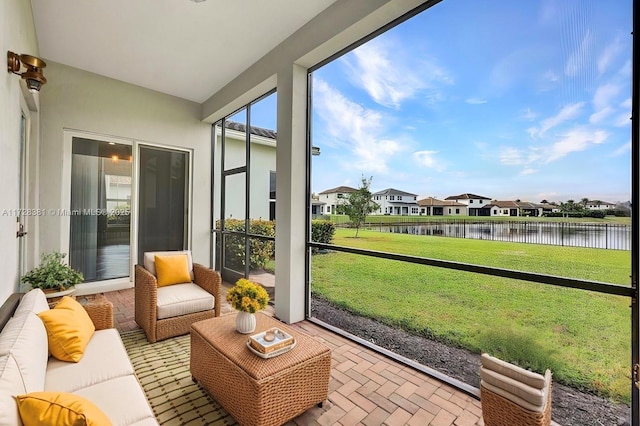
(592, 235)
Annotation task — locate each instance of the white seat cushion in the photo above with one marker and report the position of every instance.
(93, 368)
(527, 377)
(34, 301)
(121, 399)
(181, 299)
(150, 261)
(11, 385)
(25, 337)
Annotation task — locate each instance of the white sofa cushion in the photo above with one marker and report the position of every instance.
(25, 337)
(121, 399)
(181, 299)
(105, 358)
(34, 301)
(11, 385)
(150, 262)
(527, 377)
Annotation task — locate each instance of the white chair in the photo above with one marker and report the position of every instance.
(169, 310)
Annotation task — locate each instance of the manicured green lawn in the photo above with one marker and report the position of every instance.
(583, 337)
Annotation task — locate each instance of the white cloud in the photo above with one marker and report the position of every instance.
(623, 120)
(529, 115)
(599, 116)
(604, 95)
(568, 112)
(391, 73)
(622, 150)
(528, 171)
(511, 156)
(608, 54)
(577, 60)
(427, 159)
(575, 140)
(354, 128)
(476, 101)
(551, 76)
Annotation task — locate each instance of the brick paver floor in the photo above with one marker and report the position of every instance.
(366, 388)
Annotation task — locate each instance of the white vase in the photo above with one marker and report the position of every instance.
(245, 322)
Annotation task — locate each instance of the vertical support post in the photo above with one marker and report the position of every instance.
(635, 209)
(291, 166)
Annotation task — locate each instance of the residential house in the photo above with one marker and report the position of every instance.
(395, 202)
(431, 206)
(332, 198)
(600, 205)
(515, 208)
(474, 202)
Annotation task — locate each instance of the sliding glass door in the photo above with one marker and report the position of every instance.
(162, 200)
(100, 213)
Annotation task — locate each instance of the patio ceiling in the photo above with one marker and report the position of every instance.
(178, 47)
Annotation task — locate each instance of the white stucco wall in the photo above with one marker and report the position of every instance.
(83, 101)
(17, 35)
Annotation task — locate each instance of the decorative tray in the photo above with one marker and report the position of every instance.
(270, 343)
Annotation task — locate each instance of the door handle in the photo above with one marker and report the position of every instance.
(21, 232)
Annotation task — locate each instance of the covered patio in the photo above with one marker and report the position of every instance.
(366, 388)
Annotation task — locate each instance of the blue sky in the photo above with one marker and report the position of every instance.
(511, 100)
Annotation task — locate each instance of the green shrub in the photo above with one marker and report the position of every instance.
(322, 231)
(260, 251)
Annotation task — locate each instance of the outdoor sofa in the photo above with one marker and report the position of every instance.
(101, 374)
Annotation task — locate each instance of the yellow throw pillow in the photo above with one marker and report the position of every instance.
(172, 269)
(69, 329)
(59, 409)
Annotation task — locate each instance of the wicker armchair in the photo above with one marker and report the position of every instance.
(511, 395)
(157, 325)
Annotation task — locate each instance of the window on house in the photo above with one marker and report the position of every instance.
(399, 197)
(391, 197)
(457, 211)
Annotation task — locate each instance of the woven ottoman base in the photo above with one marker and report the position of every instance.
(499, 411)
(257, 391)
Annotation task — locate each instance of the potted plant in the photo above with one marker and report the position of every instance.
(53, 275)
(248, 298)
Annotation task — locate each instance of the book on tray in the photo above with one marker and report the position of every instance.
(271, 340)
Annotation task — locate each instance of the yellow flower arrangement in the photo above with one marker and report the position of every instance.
(247, 296)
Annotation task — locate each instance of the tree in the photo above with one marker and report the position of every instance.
(359, 204)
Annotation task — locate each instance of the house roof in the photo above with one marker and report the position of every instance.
(392, 191)
(601, 202)
(339, 189)
(430, 201)
(467, 196)
(507, 204)
(259, 131)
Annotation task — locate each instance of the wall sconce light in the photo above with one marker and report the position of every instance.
(33, 75)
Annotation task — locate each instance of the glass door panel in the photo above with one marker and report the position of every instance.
(99, 245)
(162, 200)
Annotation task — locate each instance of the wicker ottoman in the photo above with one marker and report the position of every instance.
(253, 390)
(100, 310)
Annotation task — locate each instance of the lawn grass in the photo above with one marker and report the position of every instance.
(583, 337)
